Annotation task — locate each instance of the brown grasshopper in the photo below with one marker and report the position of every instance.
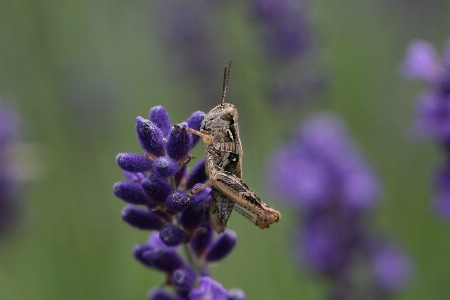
(223, 165)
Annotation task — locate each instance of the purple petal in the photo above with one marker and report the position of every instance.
(421, 61)
(155, 242)
(183, 278)
(134, 177)
(208, 289)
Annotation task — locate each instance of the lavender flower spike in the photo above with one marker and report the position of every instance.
(157, 182)
(433, 110)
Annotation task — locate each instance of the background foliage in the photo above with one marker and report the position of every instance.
(81, 71)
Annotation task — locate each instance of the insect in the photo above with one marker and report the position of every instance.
(223, 165)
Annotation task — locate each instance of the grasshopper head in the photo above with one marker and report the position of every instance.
(220, 117)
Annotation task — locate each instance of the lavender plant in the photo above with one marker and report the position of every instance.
(285, 31)
(433, 109)
(187, 35)
(322, 175)
(156, 192)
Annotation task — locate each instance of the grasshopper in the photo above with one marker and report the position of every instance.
(223, 165)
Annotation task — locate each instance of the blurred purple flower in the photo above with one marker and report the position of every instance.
(421, 62)
(185, 29)
(285, 31)
(433, 109)
(321, 173)
(157, 181)
(391, 267)
(11, 196)
(286, 27)
(320, 164)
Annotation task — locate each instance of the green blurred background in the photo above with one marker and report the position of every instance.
(81, 71)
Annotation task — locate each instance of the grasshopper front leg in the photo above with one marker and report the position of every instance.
(206, 138)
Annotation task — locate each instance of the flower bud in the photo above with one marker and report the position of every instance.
(150, 137)
(172, 236)
(156, 189)
(131, 192)
(141, 219)
(133, 162)
(179, 143)
(163, 259)
(201, 241)
(164, 167)
(222, 246)
(177, 201)
(195, 122)
(160, 117)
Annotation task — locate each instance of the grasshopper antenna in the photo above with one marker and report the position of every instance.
(226, 75)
